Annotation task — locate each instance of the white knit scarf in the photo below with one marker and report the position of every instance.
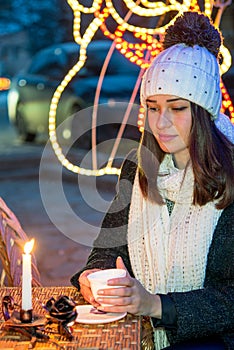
(169, 253)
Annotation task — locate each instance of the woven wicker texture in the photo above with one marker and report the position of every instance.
(12, 240)
(123, 334)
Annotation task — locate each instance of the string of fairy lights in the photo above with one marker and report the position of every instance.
(140, 53)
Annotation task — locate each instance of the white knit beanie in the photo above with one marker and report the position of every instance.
(189, 72)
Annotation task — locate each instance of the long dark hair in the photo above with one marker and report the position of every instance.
(211, 157)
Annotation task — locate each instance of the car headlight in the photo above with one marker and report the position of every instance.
(12, 100)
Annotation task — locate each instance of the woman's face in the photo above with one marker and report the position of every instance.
(170, 121)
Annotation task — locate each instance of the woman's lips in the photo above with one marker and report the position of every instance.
(166, 138)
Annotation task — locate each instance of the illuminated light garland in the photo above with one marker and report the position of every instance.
(159, 8)
(150, 4)
(126, 48)
(227, 60)
(208, 7)
(77, 10)
(134, 52)
(227, 102)
(149, 13)
(76, 6)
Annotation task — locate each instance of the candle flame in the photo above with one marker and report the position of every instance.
(28, 246)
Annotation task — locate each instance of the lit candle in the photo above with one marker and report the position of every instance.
(27, 277)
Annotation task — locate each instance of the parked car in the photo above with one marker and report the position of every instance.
(31, 90)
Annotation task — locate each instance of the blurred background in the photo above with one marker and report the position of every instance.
(37, 49)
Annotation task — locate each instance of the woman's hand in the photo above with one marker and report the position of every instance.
(85, 287)
(132, 296)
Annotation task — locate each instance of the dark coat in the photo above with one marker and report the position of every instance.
(200, 313)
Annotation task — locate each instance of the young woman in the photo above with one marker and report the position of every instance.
(171, 224)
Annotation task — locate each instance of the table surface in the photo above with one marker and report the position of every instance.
(123, 334)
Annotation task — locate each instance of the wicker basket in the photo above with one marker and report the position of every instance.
(12, 240)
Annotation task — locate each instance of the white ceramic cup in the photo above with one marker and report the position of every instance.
(98, 280)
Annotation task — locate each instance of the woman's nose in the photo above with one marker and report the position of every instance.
(163, 120)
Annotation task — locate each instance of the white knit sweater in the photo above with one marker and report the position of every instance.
(169, 253)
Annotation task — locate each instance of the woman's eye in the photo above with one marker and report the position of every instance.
(172, 109)
(179, 108)
(152, 109)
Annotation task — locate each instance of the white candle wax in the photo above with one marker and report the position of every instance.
(27, 277)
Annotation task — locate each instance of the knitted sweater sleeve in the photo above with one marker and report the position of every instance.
(112, 239)
(209, 311)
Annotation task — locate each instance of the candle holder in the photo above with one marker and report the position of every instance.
(25, 322)
(26, 316)
(15, 321)
(61, 312)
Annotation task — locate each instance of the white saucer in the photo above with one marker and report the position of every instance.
(88, 314)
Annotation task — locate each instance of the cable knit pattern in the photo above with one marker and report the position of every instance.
(169, 253)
